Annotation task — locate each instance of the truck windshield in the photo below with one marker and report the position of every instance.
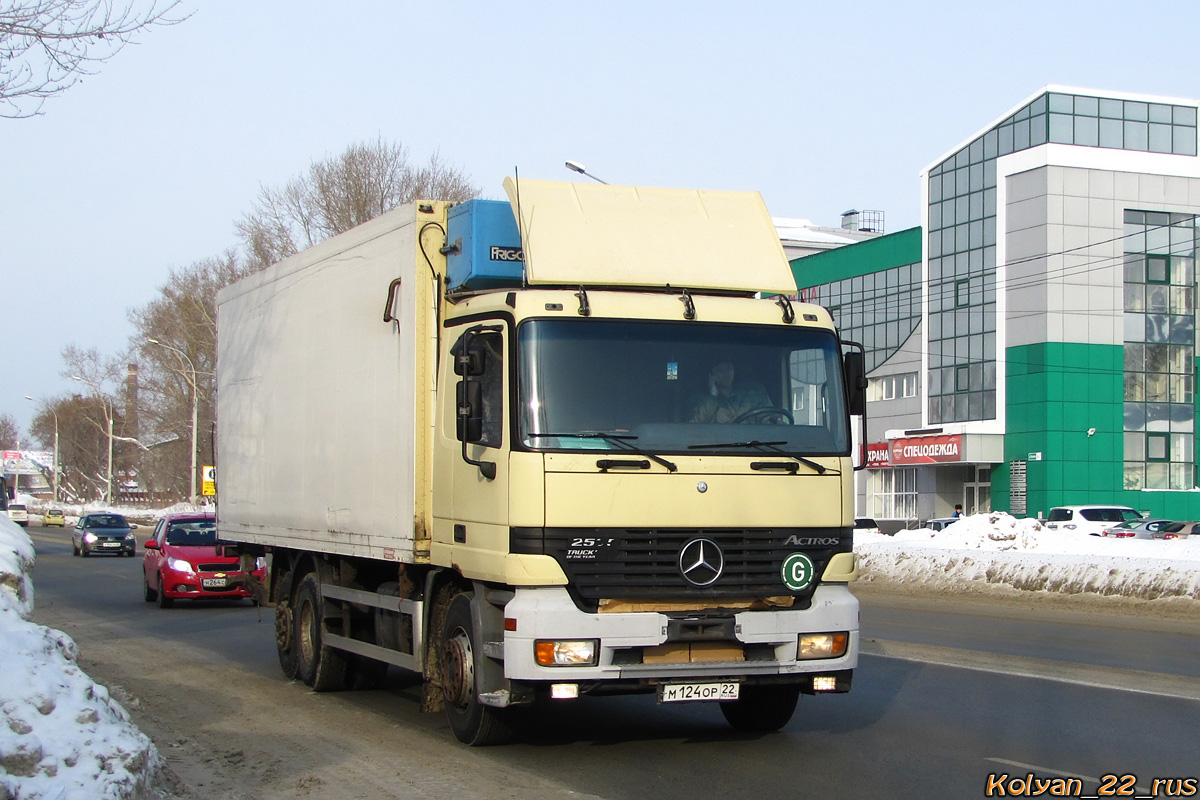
(680, 387)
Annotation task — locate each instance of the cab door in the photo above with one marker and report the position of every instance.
(471, 519)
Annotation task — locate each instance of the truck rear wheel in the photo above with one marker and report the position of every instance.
(472, 722)
(323, 668)
(761, 708)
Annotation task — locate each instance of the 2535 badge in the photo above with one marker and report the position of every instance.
(591, 548)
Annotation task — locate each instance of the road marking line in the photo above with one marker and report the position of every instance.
(1051, 771)
(1125, 680)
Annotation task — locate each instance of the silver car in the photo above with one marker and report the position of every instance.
(103, 533)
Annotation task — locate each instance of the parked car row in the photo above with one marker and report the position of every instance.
(1116, 522)
(1112, 521)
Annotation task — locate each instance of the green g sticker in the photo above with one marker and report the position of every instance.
(798, 572)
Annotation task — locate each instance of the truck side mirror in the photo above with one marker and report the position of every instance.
(471, 360)
(855, 374)
(469, 397)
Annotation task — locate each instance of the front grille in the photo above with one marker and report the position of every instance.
(644, 563)
(226, 567)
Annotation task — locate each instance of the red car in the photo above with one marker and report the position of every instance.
(182, 562)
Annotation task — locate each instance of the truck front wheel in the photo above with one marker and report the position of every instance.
(472, 722)
(761, 708)
(323, 668)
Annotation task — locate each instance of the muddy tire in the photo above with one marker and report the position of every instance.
(761, 708)
(285, 627)
(472, 722)
(323, 668)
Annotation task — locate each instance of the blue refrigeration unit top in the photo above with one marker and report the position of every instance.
(487, 246)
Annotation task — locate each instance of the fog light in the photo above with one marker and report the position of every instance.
(824, 683)
(564, 691)
(823, 645)
(566, 653)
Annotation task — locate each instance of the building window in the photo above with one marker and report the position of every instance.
(1160, 349)
(961, 229)
(880, 310)
(892, 387)
(894, 493)
(1122, 124)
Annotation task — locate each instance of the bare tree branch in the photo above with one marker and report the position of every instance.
(9, 432)
(368, 179)
(46, 46)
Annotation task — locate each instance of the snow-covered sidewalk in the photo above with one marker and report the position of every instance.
(63, 737)
(998, 549)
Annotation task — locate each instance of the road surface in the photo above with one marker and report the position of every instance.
(949, 697)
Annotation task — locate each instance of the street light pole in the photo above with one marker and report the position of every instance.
(54, 476)
(195, 410)
(575, 166)
(108, 415)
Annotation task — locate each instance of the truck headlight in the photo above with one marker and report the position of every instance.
(566, 652)
(822, 645)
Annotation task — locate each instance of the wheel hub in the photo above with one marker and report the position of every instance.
(458, 669)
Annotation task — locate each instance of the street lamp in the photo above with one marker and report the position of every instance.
(108, 416)
(575, 166)
(195, 408)
(54, 481)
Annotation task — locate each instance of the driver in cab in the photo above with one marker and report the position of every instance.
(729, 400)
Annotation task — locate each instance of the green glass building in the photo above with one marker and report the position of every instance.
(1033, 343)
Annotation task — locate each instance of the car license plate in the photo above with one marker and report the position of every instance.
(693, 692)
(213, 583)
(110, 544)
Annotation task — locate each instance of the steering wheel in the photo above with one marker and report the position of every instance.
(764, 412)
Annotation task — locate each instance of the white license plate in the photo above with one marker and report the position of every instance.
(214, 583)
(693, 692)
(110, 544)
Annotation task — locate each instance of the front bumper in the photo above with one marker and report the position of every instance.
(764, 644)
(119, 547)
(190, 585)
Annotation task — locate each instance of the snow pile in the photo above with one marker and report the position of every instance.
(996, 548)
(63, 737)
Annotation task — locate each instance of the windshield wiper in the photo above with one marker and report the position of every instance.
(619, 439)
(769, 447)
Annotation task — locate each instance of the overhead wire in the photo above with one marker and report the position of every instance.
(946, 288)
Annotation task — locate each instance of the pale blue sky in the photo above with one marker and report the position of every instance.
(822, 107)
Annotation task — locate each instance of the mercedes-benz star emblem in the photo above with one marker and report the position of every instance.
(701, 562)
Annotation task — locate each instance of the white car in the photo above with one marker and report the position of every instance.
(18, 514)
(866, 525)
(1089, 520)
